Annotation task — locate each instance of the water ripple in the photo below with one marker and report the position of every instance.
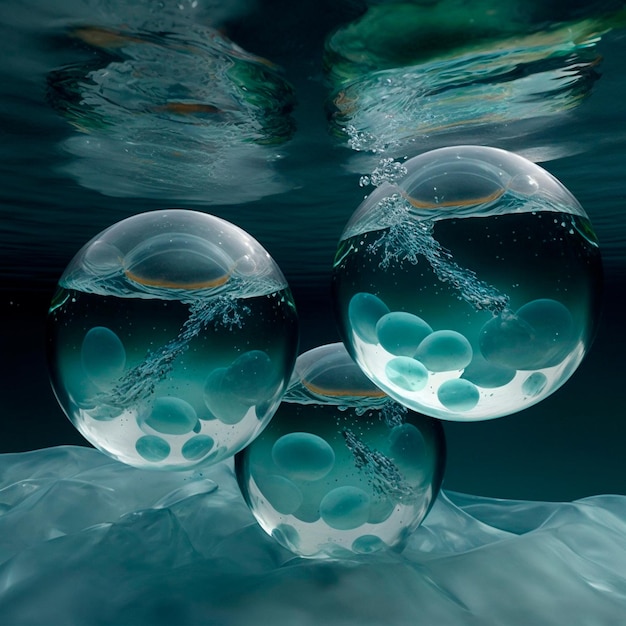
(388, 97)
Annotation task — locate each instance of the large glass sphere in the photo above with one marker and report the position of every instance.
(342, 469)
(469, 288)
(171, 339)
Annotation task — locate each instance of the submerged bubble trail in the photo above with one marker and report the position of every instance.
(385, 476)
(140, 382)
(407, 239)
(387, 170)
(393, 414)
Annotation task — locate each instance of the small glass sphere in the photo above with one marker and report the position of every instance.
(341, 469)
(172, 337)
(468, 289)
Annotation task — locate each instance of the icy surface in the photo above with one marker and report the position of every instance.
(87, 540)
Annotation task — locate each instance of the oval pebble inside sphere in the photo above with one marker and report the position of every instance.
(401, 333)
(219, 398)
(458, 394)
(345, 508)
(444, 351)
(303, 456)
(534, 384)
(486, 374)
(540, 334)
(407, 373)
(171, 416)
(153, 449)
(407, 449)
(281, 493)
(364, 311)
(381, 509)
(103, 355)
(287, 536)
(553, 327)
(251, 376)
(366, 544)
(197, 447)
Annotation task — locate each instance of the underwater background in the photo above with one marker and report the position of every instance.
(267, 114)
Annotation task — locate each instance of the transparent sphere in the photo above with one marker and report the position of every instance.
(469, 288)
(172, 337)
(342, 469)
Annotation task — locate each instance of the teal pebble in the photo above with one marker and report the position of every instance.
(303, 456)
(197, 447)
(407, 449)
(366, 544)
(281, 493)
(444, 351)
(540, 334)
(488, 375)
(336, 551)
(251, 377)
(103, 355)
(151, 448)
(345, 508)
(219, 398)
(171, 416)
(407, 373)
(401, 333)
(458, 395)
(553, 326)
(381, 509)
(364, 311)
(287, 536)
(534, 384)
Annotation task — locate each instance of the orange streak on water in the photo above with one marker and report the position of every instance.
(335, 393)
(187, 108)
(167, 284)
(419, 204)
(103, 37)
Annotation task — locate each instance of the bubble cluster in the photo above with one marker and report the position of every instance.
(468, 289)
(341, 469)
(172, 337)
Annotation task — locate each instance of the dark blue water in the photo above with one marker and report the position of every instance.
(283, 168)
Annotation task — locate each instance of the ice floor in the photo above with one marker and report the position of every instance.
(87, 540)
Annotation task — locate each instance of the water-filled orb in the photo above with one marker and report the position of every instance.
(468, 289)
(342, 469)
(172, 338)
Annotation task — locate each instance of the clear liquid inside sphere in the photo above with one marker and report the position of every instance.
(342, 469)
(469, 289)
(171, 339)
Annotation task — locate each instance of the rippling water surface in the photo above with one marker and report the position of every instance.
(269, 116)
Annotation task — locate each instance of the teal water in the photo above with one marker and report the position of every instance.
(293, 193)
